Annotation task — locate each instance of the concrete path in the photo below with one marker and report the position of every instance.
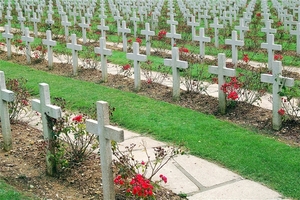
(190, 175)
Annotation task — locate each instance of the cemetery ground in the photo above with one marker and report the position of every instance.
(85, 179)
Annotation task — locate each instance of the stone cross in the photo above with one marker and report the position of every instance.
(103, 28)
(50, 43)
(134, 19)
(5, 97)
(124, 32)
(83, 26)
(171, 21)
(270, 46)
(278, 82)
(8, 17)
(137, 58)
(234, 42)
(75, 48)
(103, 51)
(75, 14)
(242, 28)
(205, 16)
(106, 133)
(21, 19)
(297, 33)
(222, 71)
(193, 24)
(8, 36)
(44, 107)
(173, 35)
(35, 20)
(49, 20)
(268, 29)
(27, 39)
(216, 27)
(66, 24)
(117, 17)
(176, 64)
(147, 33)
(202, 39)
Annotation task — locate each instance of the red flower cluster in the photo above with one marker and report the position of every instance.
(278, 57)
(281, 111)
(246, 58)
(77, 118)
(140, 186)
(139, 40)
(39, 48)
(279, 23)
(258, 14)
(19, 41)
(118, 180)
(162, 34)
(129, 41)
(163, 178)
(126, 67)
(231, 88)
(183, 49)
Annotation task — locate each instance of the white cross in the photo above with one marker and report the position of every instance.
(75, 14)
(103, 51)
(234, 42)
(266, 18)
(277, 80)
(202, 39)
(50, 43)
(147, 32)
(8, 17)
(117, 17)
(242, 28)
(297, 33)
(222, 71)
(270, 46)
(66, 24)
(35, 20)
(205, 16)
(8, 36)
(21, 19)
(75, 48)
(106, 133)
(27, 39)
(49, 20)
(5, 96)
(137, 58)
(268, 29)
(124, 31)
(173, 35)
(83, 26)
(176, 64)
(134, 19)
(193, 23)
(44, 107)
(171, 21)
(103, 28)
(216, 27)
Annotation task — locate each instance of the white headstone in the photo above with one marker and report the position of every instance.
(75, 48)
(124, 32)
(27, 39)
(234, 42)
(134, 19)
(5, 97)
(50, 43)
(297, 33)
(106, 133)
(216, 27)
(83, 26)
(277, 80)
(8, 36)
(137, 58)
(44, 107)
(103, 51)
(222, 71)
(176, 64)
(66, 24)
(103, 28)
(193, 24)
(242, 28)
(202, 39)
(270, 46)
(21, 19)
(147, 32)
(35, 20)
(173, 35)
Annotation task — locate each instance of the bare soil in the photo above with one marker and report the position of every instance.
(24, 168)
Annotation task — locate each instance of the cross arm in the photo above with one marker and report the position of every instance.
(7, 95)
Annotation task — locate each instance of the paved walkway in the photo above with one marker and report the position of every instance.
(193, 176)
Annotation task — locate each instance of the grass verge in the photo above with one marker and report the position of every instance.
(252, 155)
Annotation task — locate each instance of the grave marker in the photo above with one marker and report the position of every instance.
(103, 51)
(117, 17)
(21, 19)
(124, 32)
(193, 24)
(50, 43)
(8, 17)
(147, 32)
(44, 107)
(176, 64)
(27, 39)
(277, 80)
(106, 133)
(83, 26)
(134, 19)
(75, 48)
(202, 39)
(8, 36)
(216, 27)
(297, 33)
(173, 35)
(66, 24)
(137, 58)
(234, 42)
(268, 29)
(222, 71)
(5, 97)
(242, 28)
(35, 20)
(270, 46)
(103, 28)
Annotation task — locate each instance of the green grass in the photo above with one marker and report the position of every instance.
(8, 192)
(253, 155)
